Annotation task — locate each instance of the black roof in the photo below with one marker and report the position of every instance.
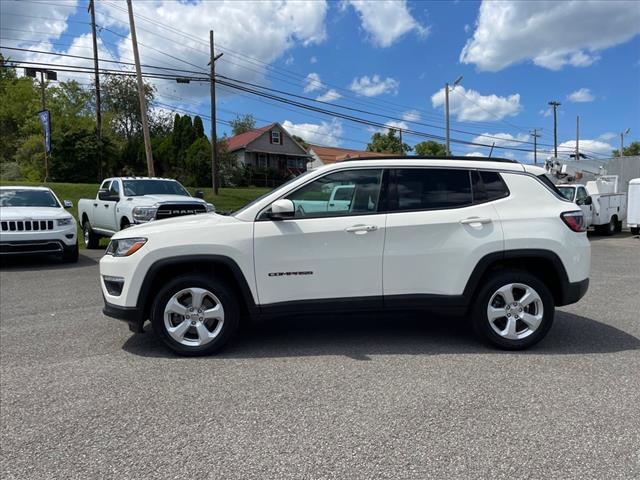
(425, 157)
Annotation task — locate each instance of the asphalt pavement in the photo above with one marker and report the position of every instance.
(351, 397)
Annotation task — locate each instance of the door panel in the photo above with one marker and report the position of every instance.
(322, 253)
(318, 258)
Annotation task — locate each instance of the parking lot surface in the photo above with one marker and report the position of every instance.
(354, 397)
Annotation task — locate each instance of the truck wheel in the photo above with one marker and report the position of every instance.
(91, 239)
(513, 311)
(70, 254)
(195, 315)
(619, 226)
(610, 228)
(635, 230)
(124, 223)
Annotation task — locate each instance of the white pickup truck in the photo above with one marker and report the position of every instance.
(125, 201)
(604, 208)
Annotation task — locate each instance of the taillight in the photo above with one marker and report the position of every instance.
(574, 220)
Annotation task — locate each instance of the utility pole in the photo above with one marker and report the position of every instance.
(577, 138)
(446, 111)
(143, 103)
(215, 167)
(44, 107)
(535, 136)
(555, 106)
(92, 10)
(622, 134)
(446, 114)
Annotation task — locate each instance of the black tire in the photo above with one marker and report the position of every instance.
(635, 230)
(91, 239)
(480, 318)
(220, 289)
(124, 223)
(70, 254)
(619, 226)
(610, 228)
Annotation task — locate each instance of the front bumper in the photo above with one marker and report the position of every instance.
(573, 292)
(132, 315)
(50, 241)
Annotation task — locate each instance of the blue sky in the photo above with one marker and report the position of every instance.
(391, 58)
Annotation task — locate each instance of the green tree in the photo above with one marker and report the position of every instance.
(632, 149)
(242, 124)
(122, 106)
(301, 141)
(387, 143)
(430, 148)
(198, 126)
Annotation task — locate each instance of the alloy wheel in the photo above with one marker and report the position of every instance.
(515, 311)
(194, 317)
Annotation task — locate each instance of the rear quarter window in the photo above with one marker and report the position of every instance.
(488, 186)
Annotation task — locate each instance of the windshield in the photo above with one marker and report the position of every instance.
(16, 197)
(135, 188)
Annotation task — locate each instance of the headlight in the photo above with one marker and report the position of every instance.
(124, 247)
(65, 221)
(210, 207)
(144, 214)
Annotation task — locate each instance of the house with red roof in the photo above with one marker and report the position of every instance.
(270, 146)
(321, 155)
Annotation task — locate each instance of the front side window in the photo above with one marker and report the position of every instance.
(430, 188)
(16, 197)
(351, 192)
(567, 192)
(114, 189)
(582, 194)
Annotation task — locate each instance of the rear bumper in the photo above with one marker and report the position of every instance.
(573, 292)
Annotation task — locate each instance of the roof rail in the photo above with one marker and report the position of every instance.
(425, 157)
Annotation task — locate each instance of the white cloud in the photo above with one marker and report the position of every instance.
(290, 60)
(469, 105)
(325, 133)
(395, 125)
(21, 15)
(386, 21)
(266, 31)
(374, 86)
(552, 34)
(502, 139)
(329, 96)
(313, 60)
(607, 136)
(475, 154)
(588, 147)
(312, 83)
(580, 96)
(546, 113)
(411, 116)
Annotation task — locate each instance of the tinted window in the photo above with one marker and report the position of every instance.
(544, 179)
(114, 189)
(430, 188)
(488, 186)
(328, 197)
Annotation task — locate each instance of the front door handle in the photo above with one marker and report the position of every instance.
(361, 229)
(471, 220)
(106, 205)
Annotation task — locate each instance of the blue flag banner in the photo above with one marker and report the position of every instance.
(45, 119)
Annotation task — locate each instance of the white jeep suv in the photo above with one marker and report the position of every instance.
(490, 239)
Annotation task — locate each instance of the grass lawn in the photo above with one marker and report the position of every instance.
(227, 198)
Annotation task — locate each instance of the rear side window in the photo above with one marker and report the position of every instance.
(488, 186)
(430, 188)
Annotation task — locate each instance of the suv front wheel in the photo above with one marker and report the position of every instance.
(195, 315)
(514, 310)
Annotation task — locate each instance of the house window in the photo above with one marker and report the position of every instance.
(262, 160)
(275, 137)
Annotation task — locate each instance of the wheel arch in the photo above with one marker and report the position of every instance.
(544, 264)
(217, 266)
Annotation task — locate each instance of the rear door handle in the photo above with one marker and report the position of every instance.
(361, 229)
(95, 204)
(106, 205)
(470, 220)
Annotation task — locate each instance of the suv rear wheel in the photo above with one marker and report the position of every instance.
(195, 315)
(513, 311)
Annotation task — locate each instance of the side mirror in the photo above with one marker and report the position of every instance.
(588, 200)
(67, 203)
(105, 196)
(282, 209)
(199, 194)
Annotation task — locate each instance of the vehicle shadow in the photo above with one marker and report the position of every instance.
(359, 337)
(19, 263)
